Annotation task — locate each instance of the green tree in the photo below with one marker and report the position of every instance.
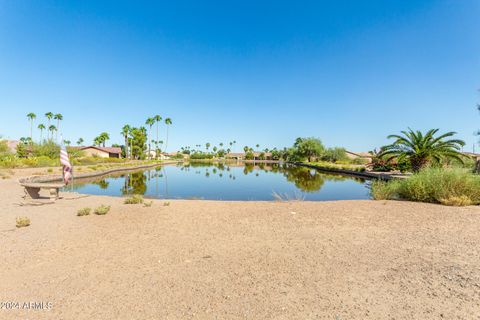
(207, 145)
(67, 142)
(49, 117)
(79, 141)
(41, 127)
(168, 122)
(31, 116)
(138, 139)
(104, 136)
(52, 129)
(308, 148)
(59, 118)
(157, 120)
(150, 122)
(421, 149)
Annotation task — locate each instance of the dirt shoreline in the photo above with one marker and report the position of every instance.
(238, 260)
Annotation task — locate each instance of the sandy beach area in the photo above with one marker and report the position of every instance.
(237, 260)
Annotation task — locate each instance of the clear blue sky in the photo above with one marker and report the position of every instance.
(348, 72)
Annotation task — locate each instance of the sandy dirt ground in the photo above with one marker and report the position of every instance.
(237, 260)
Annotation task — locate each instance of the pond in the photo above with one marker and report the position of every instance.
(228, 181)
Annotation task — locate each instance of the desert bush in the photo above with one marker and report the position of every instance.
(134, 199)
(166, 204)
(102, 210)
(22, 222)
(84, 212)
(148, 204)
(433, 185)
(383, 190)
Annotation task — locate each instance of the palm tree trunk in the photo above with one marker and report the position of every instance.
(56, 132)
(166, 140)
(149, 142)
(126, 146)
(156, 155)
(477, 166)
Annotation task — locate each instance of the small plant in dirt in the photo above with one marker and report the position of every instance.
(22, 222)
(103, 209)
(135, 199)
(166, 204)
(49, 170)
(148, 204)
(84, 212)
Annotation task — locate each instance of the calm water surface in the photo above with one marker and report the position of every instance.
(228, 182)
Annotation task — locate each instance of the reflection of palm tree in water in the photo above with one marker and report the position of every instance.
(135, 183)
(166, 182)
(103, 184)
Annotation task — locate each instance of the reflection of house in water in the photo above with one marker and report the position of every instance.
(257, 156)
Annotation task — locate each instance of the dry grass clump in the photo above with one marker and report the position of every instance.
(135, 199)
(166, 204)
(102, 210)
(148, 204)
(22, 222)
(454, 187)
(84, 212)
(459, 201)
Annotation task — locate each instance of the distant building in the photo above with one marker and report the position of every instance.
(359, 155)
(475, 156)
(12, 145)
(102, 152)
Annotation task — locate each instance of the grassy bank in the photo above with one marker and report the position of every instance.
(456, 187)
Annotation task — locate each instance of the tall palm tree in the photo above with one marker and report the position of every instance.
(59, 118)
(150, 122)
(67, 142)
(52, 128)
(49, 116)
(104, 136)
(31, 116)
(421, 149)
(157, 119)
(207, 145)
(257, 146)
(125, 131)
(168, 122)
(41, 126)
(97, 141)
(79, 141)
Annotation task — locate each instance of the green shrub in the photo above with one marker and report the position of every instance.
(201, 155)
(103, 209)
(84, 212)
(135, 199)
(383, 190)
(433, 185)
(22, 222)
